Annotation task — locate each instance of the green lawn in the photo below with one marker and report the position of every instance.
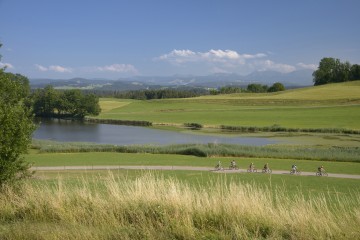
(330, 106)
(315, 117)
(95, 158)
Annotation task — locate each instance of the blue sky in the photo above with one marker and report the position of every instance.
(113, 39)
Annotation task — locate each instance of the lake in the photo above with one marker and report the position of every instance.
(76, 131)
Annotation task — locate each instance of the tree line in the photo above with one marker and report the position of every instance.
(183, 92)
(149, 94)
(251, 88)
(49, 102)
(332, 70)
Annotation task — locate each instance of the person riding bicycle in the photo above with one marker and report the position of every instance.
(218, 165)
(266, 167)
(252, 166)
(294, 168)
(321, 169)
(233, 164)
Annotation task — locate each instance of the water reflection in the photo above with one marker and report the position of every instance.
(75, 131)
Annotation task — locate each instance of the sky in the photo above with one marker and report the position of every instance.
(116, 39)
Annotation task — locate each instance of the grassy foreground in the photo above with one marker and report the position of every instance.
(151, 207)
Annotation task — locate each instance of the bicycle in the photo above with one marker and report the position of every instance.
(295, 172)
(251, 170)
(218, 168)
(267, 170)
(233, 167)
(321, 174)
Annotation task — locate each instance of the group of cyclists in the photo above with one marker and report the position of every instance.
(266, 169)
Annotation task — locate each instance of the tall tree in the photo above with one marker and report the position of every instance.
(342, 72)
(332, 70)
(16, 127)
(355, 72)
(276, 87)
(45, 101)
(257, 88)
(49, 102)
(326, 71)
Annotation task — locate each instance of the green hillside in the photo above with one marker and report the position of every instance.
(335, 91)
(327, 106)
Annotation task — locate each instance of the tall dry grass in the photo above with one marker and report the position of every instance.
(152, 207)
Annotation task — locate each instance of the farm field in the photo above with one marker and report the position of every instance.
(330, 106)
(149, 204)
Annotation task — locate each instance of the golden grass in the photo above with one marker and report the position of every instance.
(107, 104)
(335, 91)
(155, 208)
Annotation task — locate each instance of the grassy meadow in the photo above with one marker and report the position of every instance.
(143, 204)
(156, 207)
(328, 106)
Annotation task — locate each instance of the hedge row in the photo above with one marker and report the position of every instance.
(119, 122)
(284, 129)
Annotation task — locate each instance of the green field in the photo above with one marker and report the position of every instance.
(143, 204)
(118, 159)
(329, 106)
(150, 205)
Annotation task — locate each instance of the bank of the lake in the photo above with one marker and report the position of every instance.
(80, 131)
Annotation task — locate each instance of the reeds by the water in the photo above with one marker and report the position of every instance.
(152, 207)
(347, 154)
(276, 128)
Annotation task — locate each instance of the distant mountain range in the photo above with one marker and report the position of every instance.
(290, 80)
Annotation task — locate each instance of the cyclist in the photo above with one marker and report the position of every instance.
(294, 168)
(266, 166)
(252, 166)
(233, 164)
(321, 169)
(218, 165)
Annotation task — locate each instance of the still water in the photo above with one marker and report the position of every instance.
(73, 131)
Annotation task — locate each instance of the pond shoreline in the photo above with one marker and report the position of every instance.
(88, 131)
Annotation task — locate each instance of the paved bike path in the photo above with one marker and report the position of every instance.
(187, 168)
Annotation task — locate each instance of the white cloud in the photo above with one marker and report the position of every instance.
(121, 68)
(182, 53)
(272, 66)
(57, 68)
(41, 68)
(258, 55)
(54, 68)
(118, 68)
(222, 56)
(307, 66)
(179, 56)
(214, 55)
(227, 61)
(7, 65)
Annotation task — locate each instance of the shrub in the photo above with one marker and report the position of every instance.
(193, 126)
